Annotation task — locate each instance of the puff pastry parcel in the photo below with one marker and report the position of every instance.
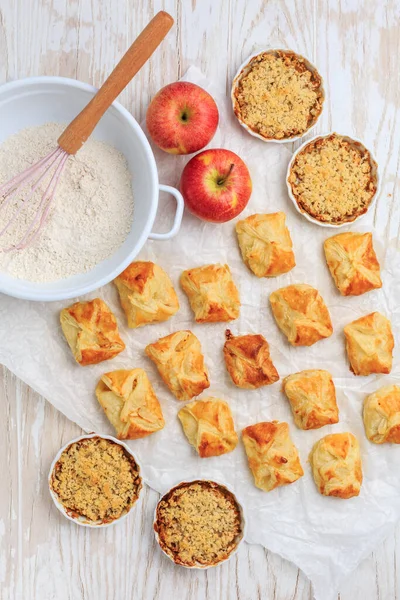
(272, 456)
(91, 331)
(352, 262)
(369, 344)
(130, 403)
(212, 293)
(301, 314)
(248, 361)
(180, 362)
(312, 397)
(209, 427)
(265, 244)
(146, 293)
(382, 415)
(336, 465)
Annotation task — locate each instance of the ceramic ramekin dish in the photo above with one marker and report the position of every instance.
(240, 538)
(37, 100)
(79, 520)
(374, 166)
(244, 69)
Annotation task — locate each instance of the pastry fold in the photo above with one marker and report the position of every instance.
(208, 426)
(130, 403)
(265, 244)
(272, 456)
(382, 415)
(369, 344)
(353, 263)
(336, 465)
(312, 398)
(301, 313)
(248, 361)
(146, 294)
(212, 293)
(91, 331)
(180, 362)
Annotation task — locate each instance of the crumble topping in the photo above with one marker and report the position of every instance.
(198, 522)
(332, 179)
(95, 478)
(279, 97)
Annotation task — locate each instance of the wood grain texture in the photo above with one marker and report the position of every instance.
(355, 44)
(78, 131)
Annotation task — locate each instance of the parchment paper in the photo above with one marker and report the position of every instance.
(325, 537)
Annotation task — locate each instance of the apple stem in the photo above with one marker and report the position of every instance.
(222, 180)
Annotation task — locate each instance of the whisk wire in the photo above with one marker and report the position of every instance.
(45, 204)
(33, 190)
(11, 185)
(32, 176)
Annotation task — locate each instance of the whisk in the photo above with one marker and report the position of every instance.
(22, 188)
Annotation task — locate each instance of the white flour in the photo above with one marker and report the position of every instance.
(92, 211)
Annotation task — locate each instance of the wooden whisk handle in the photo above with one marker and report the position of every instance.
(78, 131)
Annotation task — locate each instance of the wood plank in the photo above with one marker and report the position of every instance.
(356, 46)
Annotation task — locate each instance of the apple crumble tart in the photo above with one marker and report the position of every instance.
(97, 479)
(333, 179)
(278, 95)
(198, 523)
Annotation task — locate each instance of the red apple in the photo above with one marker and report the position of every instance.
(182, 118)
(216, 185)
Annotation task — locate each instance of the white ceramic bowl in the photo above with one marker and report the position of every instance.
(243, 70)
(78, 519)
(37, 100)
(374, 166)
(240, 538)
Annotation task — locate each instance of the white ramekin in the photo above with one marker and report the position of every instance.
(243, 69)
(374, 166)
(37, 100)
(81, 520)
(241, 537)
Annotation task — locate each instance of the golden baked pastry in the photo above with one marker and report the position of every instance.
(91, 331)
(301, 314)
(198, 523)
(265, 244)
(146, 293)
(209, 427)
(333, 180)
(352, 262)
(312, 398)
(278, 95)
(382, 415)
(212, 294)
(130, 403)
(369, 344)
(273, 458)
(180, 362)
(336, 465)
(248, 361)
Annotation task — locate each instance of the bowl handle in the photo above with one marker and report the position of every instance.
(178, 214)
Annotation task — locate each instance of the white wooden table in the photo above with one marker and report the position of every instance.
(355, 44)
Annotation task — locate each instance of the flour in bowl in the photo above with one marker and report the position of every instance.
(92, 211)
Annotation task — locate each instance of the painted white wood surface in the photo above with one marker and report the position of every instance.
(355, 44)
